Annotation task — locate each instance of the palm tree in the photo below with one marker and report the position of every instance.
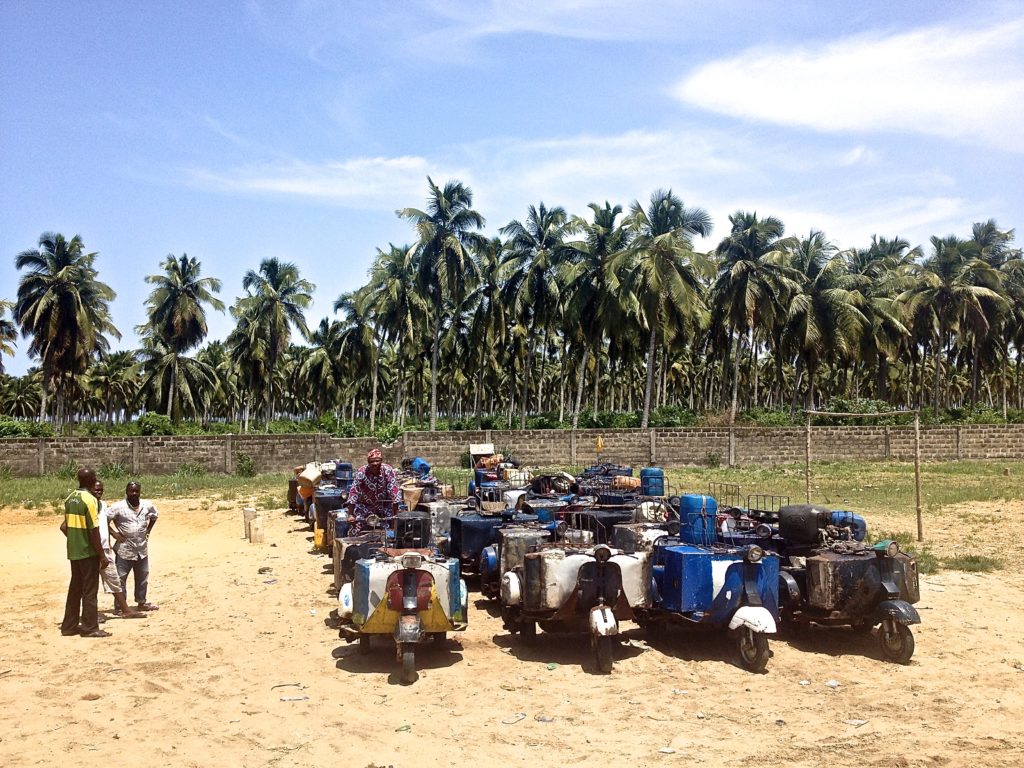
(176, 311)
(446, 229)
(884, 269)
(320, 371)
(275, 302)
(536, 250)
(223, 400)
(825, 318)
(397, 309)
(594, 302)
(955, 292)
(8, 333)
(487, 325)
(64, 307)
(167, 373)
(661, 272)
(20, 395)
(753, 286)
(114, 379)
(358, 344)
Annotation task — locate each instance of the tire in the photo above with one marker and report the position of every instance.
(753, 649)
(364, 644)
(896, 641)
(528, 631)
(438, 638)
(408, 664)
(604, 653)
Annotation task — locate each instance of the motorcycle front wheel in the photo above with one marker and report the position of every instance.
(753, 649)
(408, 663)
(896, 641)
(604, 651)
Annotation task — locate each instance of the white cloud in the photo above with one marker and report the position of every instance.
(953, 82)
(850, 199)
(362, 183)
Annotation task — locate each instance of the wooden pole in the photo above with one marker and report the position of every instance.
(917, 474)
(807, 457)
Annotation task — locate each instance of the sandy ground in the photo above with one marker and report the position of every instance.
(243, 669)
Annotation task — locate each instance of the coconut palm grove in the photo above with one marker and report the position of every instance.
(608, 317)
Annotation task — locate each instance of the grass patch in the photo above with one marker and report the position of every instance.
(270, 501)
(972, 563)
(112, 470)
(47, 493)
(190, 469)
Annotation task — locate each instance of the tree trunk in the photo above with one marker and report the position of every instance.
(433, 369)
(735, 380)
(649, 384)
(976, 359)
(938, 374)
(798, 373)
(579, 387)
(170, 392)
(373, 396)
(525, 388)
(757, 372)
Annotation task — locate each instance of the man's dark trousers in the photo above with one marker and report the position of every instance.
(85, 583)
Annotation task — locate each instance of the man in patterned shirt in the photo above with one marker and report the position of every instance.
(133, 519)
(85, 551)
(374, 491)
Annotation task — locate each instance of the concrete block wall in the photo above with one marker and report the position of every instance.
(667, 447)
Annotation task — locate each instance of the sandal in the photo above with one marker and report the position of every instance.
(146, 607)
(97, 633)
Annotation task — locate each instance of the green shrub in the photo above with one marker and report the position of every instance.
(112, 470)
(67, 471)
(18, 428)
(388, 433)
(154, 424)
(244, 465)
(672, 416)
(764, 417)
(713, 459)
(545, 421)
(190, 469)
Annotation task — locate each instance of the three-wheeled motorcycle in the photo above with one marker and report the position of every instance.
(405, 589)
(568, 589)
(831, 577)
(697, 582)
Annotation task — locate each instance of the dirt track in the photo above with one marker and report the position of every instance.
(194, 685)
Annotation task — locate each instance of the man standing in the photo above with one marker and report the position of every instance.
(134, 518)
(111, 579)
(85, 551)
(374, 491)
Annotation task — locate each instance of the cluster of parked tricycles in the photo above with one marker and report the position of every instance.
(562, 558)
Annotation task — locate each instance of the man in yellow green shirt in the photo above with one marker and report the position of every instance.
(85, 551)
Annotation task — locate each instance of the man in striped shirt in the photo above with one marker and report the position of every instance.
(85, 551)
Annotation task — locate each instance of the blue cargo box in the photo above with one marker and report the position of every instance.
(696, 579)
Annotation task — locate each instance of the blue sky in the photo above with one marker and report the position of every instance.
(238, 130)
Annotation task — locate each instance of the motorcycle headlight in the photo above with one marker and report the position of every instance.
(754, 554)
(412, 560)
(372, 521)
(602, 553)
(892, 549)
